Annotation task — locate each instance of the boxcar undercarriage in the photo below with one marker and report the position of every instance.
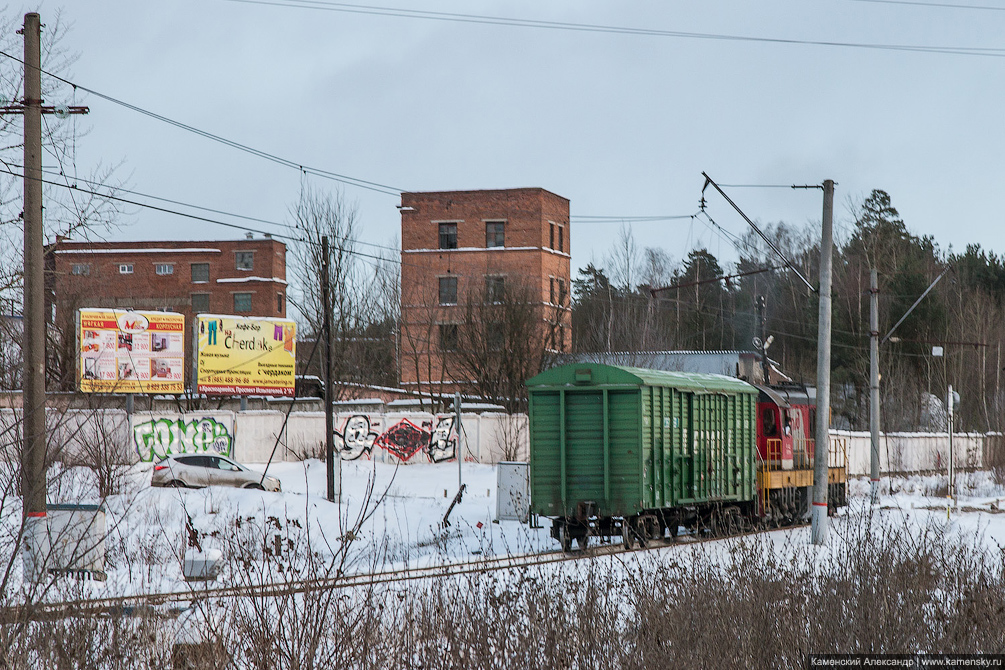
(784, 507)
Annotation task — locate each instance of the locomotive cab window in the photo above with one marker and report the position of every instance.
(769, 422)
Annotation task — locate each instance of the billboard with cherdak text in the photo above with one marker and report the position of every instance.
(245, 355)
(122, 351)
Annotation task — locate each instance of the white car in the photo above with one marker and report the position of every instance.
(197, 470)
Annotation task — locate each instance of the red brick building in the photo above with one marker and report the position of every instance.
(462, 250)
(243, 277)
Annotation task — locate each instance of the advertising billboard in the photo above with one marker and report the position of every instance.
(245, 355)
(122, 351)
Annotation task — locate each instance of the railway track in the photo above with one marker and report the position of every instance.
(126, 605)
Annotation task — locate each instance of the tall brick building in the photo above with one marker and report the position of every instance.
(244, 277)
(465, 255)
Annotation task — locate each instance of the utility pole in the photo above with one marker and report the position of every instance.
(33, 339)
(822, 444)
(457, 428)
(33, 446)
(334, 483)
(950, 402)
(761, 338)
(874, 383)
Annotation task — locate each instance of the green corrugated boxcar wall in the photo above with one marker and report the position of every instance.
(630, 439)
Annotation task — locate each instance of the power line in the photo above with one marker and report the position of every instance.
(585, 218)
(619, 30)
(318, 172)
(933, 5)
(211, 210)
(791, 266)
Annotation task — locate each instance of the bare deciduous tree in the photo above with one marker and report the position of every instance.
(507, 335)
(362, 288)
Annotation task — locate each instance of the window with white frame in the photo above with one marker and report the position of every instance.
(164, 268)
(125, 268)
(81, 269)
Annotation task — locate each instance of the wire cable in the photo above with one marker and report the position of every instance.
(933, 5)
(318, 172)
(399, 12)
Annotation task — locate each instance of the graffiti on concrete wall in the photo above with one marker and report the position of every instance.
(403, 440)
(157, 438)
(441, 445)
(356, 438)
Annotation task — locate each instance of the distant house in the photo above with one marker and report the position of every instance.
(246, 277)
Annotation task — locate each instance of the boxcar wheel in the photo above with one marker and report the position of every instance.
(628, 534)
(564, 538)
(583, 541)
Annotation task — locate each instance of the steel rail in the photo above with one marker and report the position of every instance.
(44, 611)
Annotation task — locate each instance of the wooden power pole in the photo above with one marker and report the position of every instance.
(33, 338)
(334, 477)
(33, 447)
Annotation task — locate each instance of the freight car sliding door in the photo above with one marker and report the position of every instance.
(584, 447)
(545, 454)
(625, 484)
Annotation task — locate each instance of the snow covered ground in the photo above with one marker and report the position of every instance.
(396, 513)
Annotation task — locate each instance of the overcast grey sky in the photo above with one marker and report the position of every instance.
(622, 125)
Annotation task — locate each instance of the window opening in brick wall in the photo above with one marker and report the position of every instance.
(200, 302)
(448, 337)
(125, 268)
(495, 338)
(244, 260)
(164, 268)
(551, 236)
(200, 273)
(81, 269)
(280, 303)
(242, 303)
(448, 235)
(561, 238)
(495, 289)
(495, 234)
(448, 290)
(551, 290)
(561, 293)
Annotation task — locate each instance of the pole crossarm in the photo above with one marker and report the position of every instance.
(788, 263)
(941, 343)
(46, 109)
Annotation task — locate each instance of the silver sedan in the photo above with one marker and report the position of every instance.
(194, 471)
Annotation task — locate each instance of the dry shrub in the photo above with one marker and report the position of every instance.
(879, 587)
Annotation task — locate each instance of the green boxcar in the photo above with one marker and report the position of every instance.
(623, 440)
